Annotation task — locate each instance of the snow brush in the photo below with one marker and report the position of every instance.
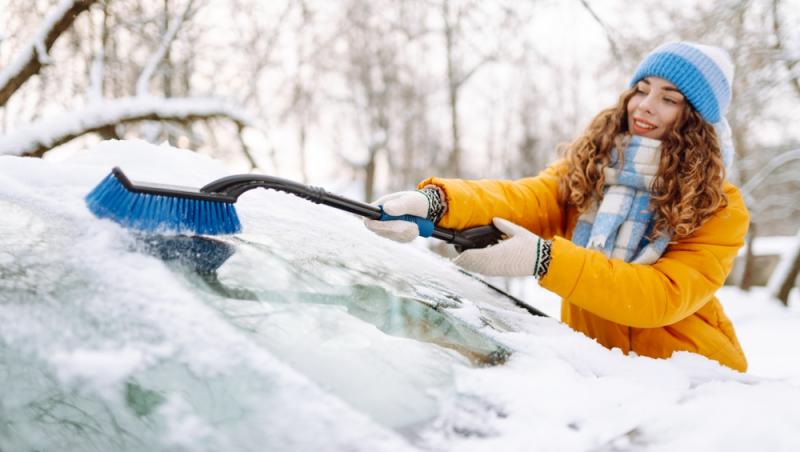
(210, 210)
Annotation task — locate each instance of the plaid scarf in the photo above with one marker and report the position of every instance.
(620, 225)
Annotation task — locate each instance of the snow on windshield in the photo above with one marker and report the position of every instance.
(310, 333)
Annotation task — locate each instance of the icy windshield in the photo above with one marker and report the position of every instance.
(302, 331)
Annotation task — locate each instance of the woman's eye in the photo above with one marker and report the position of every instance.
(670, 101)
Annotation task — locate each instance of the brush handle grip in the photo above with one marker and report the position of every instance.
(230, 188)
(425, 226)
(478, 237)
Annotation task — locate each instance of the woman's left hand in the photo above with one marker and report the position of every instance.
(514, 256)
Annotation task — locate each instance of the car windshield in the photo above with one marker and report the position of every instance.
(110, 335)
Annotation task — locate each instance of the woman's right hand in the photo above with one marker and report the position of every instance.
(395, 204)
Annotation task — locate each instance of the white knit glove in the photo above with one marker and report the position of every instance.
(400, 203)
(521, 254)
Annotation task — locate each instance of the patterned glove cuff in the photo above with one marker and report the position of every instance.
(543, 256)
(437, 206)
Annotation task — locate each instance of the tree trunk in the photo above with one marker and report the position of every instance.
(453, 85)
(369, 178)
(454, 162)
(746, 280)
(787, 284)
(302, 151)
(166, 74)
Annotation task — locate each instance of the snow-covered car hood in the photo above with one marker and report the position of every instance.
(307, 332)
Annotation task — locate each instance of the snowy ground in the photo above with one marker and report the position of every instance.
(133, 346)
(767, 330)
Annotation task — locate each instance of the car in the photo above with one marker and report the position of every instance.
(132, 340)
(303, 332)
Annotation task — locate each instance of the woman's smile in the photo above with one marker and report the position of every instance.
(641, 126)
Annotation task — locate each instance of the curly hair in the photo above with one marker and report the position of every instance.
(687, 188)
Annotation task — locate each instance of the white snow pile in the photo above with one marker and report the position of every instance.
(105, 347)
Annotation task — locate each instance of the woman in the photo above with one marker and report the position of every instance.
(635, 242)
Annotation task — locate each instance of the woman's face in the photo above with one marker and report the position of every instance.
(654, 107)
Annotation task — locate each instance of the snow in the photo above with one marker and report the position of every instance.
(767, 330)
(86, 317)
(772, 246)
(791, 249)
(36, 44)
(95, 115)
(99, 369)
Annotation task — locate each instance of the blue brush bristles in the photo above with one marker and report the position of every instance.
(161, 213)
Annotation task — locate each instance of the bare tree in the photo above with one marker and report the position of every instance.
(301, 106)
(170, 29)
(98, 51)
(34, 55)
(262, 40)
(371, 72)
(790, 56)
(609, 32)
(459, 22)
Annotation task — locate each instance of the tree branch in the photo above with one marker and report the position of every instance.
(790, 63)
(37, 138)
(245, 148)
(775, 163)
(97, 70)
(31, 58)
(614, 49)
(161, 52)
(470, 72)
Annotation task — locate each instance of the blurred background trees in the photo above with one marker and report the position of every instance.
(371, 96)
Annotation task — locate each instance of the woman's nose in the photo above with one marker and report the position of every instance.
(647, 103)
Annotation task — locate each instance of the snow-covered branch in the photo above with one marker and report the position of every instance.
(34, 54)
(38, 137)
(772, 165)
(158, 56)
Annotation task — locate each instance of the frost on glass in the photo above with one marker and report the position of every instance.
(288, 336)
(388, 355)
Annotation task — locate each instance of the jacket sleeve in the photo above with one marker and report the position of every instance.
(530, 202)
(647, 296)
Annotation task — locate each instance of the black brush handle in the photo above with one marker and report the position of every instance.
(233, 187)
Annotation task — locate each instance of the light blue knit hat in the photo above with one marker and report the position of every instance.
(703, 74)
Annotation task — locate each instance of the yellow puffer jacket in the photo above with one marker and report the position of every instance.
(652, 310)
